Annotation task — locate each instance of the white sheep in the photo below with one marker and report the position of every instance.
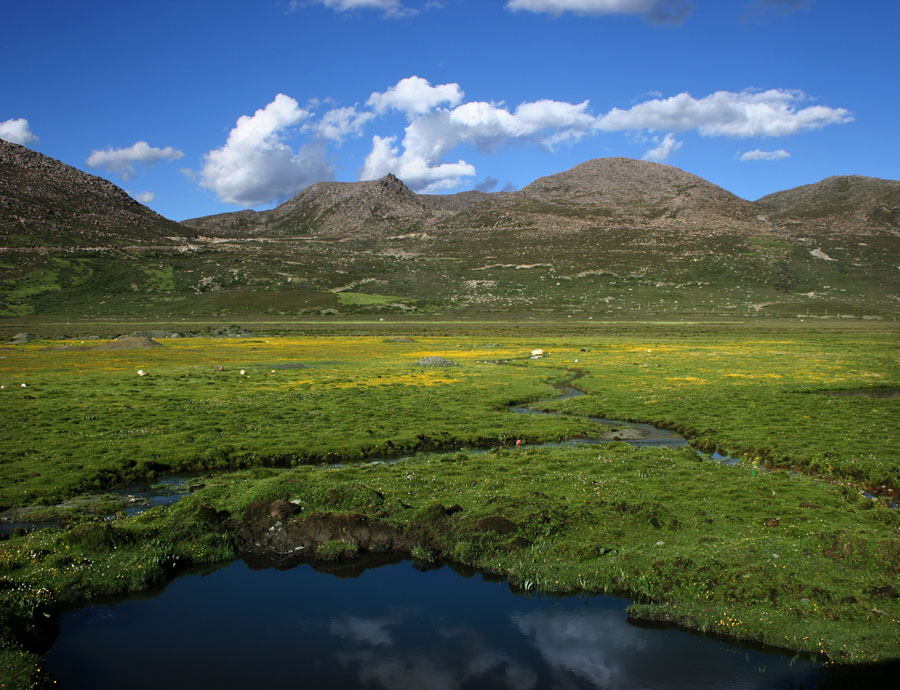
(141, 372)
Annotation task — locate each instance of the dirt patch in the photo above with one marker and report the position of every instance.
(129, 343)
(277, 534)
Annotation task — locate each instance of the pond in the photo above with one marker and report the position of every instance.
(390, 627)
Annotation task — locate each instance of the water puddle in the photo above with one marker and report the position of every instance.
(391, 627)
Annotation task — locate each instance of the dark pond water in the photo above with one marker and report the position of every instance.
(391, 627)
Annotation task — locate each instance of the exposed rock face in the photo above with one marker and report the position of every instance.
(44, 202)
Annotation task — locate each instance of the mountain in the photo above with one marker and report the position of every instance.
(44, 202)
(599, 191)
(327, 209)
(611, 237)
(864, 202)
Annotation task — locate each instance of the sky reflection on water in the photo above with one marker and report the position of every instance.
(392, 627)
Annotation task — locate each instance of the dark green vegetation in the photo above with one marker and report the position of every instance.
(600, 272)
(807, 563)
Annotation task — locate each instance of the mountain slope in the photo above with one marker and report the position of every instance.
(610, 237)
(864, 201)
(44, 202)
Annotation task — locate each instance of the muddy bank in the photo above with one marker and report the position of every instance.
(280, 534)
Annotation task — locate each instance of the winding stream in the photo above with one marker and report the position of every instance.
(142, 496)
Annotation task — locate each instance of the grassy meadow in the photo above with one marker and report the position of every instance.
(788, 547)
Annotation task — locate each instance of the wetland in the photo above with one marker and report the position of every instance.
(794, 546)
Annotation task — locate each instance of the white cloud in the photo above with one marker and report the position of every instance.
(122, 160)
(339, 123)
(724, 113)
(17, 131)
(417, 171)
(660, 11)
(415, 96)
(391, 8)
(757, 155)
(144, 197)
(255, 166)
(437, 127)
(666, 148)
(431, 136)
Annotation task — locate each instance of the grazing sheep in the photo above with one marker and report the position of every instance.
(141, 372)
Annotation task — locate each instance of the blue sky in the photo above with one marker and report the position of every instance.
(199, 107)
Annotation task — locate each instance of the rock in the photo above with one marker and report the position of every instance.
(436, 362)
(24, 338)
(771, 522)
(281, 509)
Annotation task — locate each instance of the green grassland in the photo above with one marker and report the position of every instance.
(782, 548)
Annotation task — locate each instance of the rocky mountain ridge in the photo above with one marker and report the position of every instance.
(46, 202)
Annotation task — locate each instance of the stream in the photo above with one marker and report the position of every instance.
(141, 496)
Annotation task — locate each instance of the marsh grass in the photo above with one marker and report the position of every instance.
(806, 563)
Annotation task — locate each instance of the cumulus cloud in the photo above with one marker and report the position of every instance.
(666, 148)
(757, 155)
(431, 136)
(144, 197)
(416, 171)
(17, 131)
(340, 123)
(657, 11)
(255, 166)
(122, 161)
(439, 122)
(775, 112)
(415, 96)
